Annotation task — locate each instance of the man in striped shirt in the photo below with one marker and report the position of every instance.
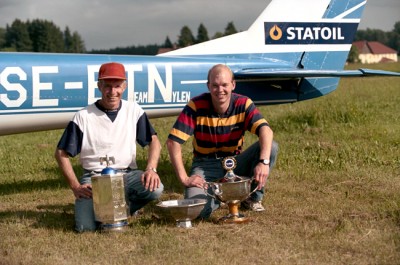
(218, 121)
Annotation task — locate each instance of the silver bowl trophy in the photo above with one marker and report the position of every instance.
(110, 207)
(232, 190)
(182, 211)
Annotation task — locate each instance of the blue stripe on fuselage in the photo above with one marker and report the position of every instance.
(49, 83)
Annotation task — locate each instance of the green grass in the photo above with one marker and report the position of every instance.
(333, 197)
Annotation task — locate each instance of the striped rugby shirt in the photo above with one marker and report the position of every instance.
(214, 133)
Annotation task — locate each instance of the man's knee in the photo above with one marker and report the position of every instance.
(274, 153)
(156, 194)
(195, 193)
(275, 147)
(84, 215)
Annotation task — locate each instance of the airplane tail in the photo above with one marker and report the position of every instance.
(309, 40)
(307, 26)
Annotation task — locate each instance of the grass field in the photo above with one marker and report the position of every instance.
(333, 197)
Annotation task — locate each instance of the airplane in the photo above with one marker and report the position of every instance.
(287, 55)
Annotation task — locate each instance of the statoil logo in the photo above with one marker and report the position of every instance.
(309, 33)
(275, 33)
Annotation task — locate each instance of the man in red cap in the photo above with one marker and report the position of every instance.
(111, 126)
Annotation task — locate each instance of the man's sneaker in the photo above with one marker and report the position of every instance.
(255, 206)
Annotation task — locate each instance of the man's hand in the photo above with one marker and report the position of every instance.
(194, 181)
(150, 180)
(83, 191)
(261, 172)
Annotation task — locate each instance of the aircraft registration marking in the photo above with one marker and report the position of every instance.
(47, 88)
(73, 85)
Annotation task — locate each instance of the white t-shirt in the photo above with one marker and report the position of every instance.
(95, 135)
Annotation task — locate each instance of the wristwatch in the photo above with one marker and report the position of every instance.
(264, 161)
(152, 168)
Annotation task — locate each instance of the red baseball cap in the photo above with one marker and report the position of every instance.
(112, 71)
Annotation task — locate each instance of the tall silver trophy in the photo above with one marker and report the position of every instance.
(109, 203)
(232, 190)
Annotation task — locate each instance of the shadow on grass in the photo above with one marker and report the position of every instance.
(55, 181)
(23, 186)
(31, 185)
(59, 217)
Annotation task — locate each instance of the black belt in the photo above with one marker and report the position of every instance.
(216, 155)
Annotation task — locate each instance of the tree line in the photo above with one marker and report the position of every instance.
(39, 36)
(186, 38)
(44, 36)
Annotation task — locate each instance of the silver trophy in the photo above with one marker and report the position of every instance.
(182, 211)
(232, 190)
(109, 203)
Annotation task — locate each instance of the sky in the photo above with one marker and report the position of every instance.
(105, 24)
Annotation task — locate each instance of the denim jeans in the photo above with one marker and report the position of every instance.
(211, 170)
(135, 193)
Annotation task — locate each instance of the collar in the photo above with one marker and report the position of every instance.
(100, 107)
(227, 112)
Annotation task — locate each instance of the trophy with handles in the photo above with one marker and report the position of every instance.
(232, 190)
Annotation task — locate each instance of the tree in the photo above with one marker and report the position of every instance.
(202, 34)
(353, 55)
(372, 35)
(40, 36)
(396, 28)
(73, 43)
(17, 37)
(186, 38)
(68, 41)
(78, 45)
(168, 43)
(2, 37)
(45, 36)
(218, 35)
(394, 37)
(230, 29)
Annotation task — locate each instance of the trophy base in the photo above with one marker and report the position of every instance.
(184, 224)
(120, 226)
(234, 219)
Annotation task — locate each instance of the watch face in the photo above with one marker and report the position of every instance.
(265, 161)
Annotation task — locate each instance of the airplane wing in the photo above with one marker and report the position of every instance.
(300, 73)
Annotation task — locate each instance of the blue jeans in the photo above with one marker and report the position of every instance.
(136, 197)
(211, 170)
